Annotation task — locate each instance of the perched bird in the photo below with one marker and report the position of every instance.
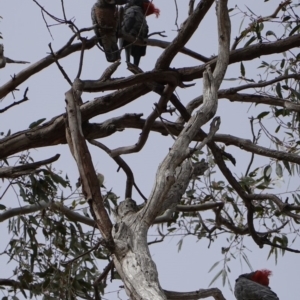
(134, 23)
(105, 15)
(254, 286)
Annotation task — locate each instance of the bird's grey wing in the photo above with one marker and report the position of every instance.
(134, 22)
(106, 17)
(95, 21)
(246, 289)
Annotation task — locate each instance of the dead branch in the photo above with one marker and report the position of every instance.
(25, 98)
(165, 175)
(109, 71)
(191, 24)
(248, 53)
(122, 164)
(51, 133)
(96, 246)
(199, 207)
(160, 106)
(5, 60)
(78, 146)
(165, 77)
(159, 89)
(199, 294)
(14, 172)
(61, 69)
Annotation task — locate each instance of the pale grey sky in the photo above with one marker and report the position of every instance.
(26, 38)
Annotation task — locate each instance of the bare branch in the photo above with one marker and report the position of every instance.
(5, 60)
(81, 58)
(12, 61)
(171, 77)
(102, 277)
(191, 24)
(24, 210)
(160, 106)
(224, 31)
(191, 6)
(258, 99)
(55, 206)
(232, 95)
(244, 54)
(199, 294)
(214, 127)
(77, 144)
(130, 177)
(65, 75)
(40, 65)
(13, 172)
(25, 98)
(72, 215)
(96, 246)
(199, 207)
(109, 71)
(179, 151)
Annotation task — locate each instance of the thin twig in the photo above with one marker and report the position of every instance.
(63, 9)
(81, 58)
(253, 141)
(65, 263)
(60, 67)
(25, 98)
(124, 166)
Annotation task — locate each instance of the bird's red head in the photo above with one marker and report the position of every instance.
(150, 9)
(261, 277)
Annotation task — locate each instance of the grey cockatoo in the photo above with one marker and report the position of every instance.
(134, 23)
(254, 286)
(105, 16)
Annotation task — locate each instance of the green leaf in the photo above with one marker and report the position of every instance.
(278, 169)
(216, 277)
(262, 115)
(224, 275)
(271, 252)
(58, 179)
(286, 18)
(296, 28)
(36, 123)
(278, 90)
(296, 94)
(269, 32)
(213, 266)
(287, 166)
(250, 10)
(245, 257)
(242, 69)
(267, 171)
(250, 41)
(180, 244)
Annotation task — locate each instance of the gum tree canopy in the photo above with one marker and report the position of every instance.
(59, 229)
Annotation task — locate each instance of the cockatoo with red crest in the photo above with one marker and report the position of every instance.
(134, 23)
(254, 286)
